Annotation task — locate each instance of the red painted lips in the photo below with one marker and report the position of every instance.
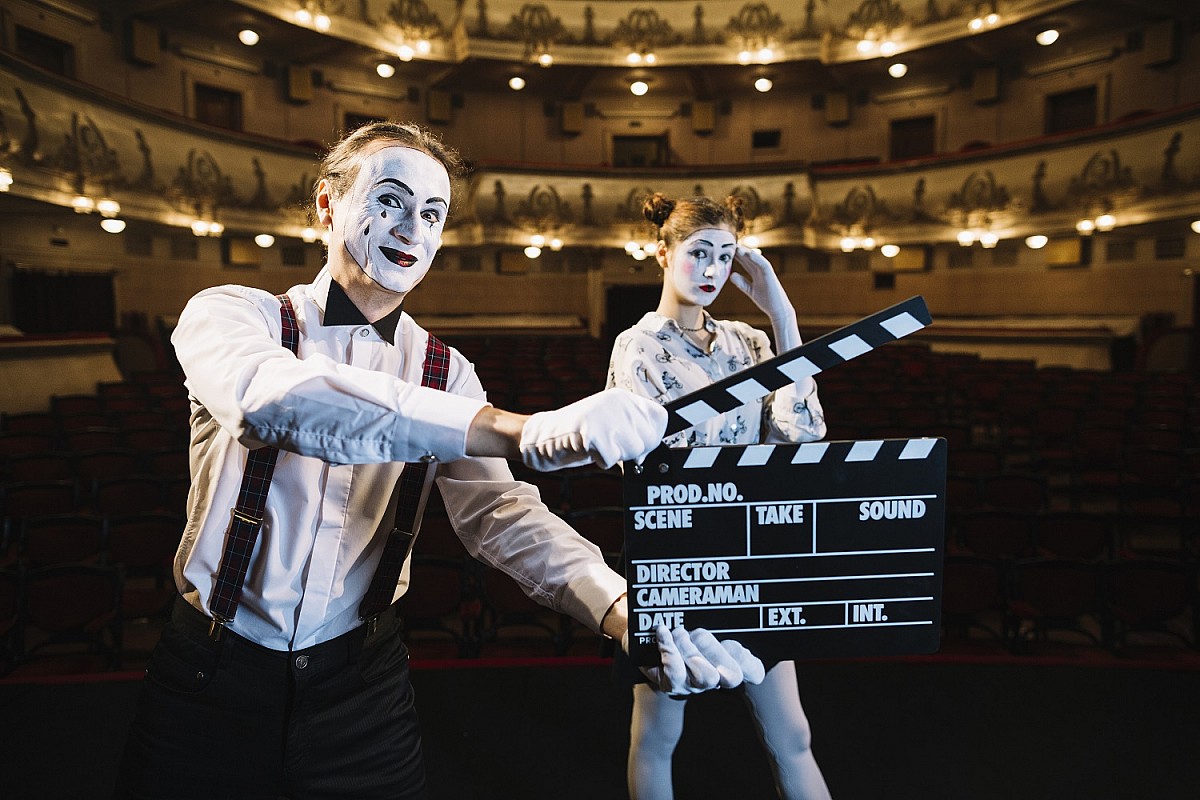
(396, 257)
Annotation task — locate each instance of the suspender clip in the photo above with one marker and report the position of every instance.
(216, 628)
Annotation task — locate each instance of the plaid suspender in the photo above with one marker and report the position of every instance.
(412, 480)
(246, 517)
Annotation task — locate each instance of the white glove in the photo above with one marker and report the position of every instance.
(694, 662)
(604, 429)
(761, 284)
(751, 665)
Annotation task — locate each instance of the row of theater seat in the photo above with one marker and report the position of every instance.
(1037, 458)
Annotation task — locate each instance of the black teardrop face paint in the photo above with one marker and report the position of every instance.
(383, 214)
(367, 231)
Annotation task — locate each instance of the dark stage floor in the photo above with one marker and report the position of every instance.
(941, 727)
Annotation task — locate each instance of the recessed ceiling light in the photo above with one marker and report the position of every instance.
(639, 88)
(764, 84)
(898, 70)
(1036, 242)
(264, 240)
(384, 69)
(248, 37)
(516, 83)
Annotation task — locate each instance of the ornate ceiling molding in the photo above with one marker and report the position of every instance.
(1141, 170)
(681, 32)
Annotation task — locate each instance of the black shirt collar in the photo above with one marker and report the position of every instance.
(340, 310)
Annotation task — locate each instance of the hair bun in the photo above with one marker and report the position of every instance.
(736, 203)
(657, 208)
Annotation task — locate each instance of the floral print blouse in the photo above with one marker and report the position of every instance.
(654, 359)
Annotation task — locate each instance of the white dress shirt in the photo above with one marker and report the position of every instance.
(656, 360)
(346, 414)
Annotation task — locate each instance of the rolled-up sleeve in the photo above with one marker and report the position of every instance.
(228, 343)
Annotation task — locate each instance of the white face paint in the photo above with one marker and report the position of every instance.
(391, 219)
(699, 266)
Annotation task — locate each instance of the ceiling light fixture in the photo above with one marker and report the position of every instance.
(112, 225)
(264, 240)
(1037, 241)
(108, 207)
(516, 83)
(405, 52)
(639, 88)
(545, 60)
(384, 69)
(1047, 37)
(764, 84)
(6, 179)
(898, 70)
(83, 204)
(248, 37)
(888, 48)
(890, 250)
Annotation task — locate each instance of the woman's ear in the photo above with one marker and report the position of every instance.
(660, 255)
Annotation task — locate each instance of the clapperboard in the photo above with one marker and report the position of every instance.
(814, 550)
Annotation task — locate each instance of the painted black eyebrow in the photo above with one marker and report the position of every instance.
(401, 184)
(710, 244)
(411, 193)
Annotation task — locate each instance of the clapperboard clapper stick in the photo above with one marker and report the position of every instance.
(822, 353)
(813, 550)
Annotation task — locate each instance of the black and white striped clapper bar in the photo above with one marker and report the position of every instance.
(814, 550)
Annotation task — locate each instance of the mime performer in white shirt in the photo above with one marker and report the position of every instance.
(282, 672)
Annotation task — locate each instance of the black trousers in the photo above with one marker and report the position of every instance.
(236, 721)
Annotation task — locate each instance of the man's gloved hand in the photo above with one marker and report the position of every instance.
(751, 665)
(694, 662)
(605, 428)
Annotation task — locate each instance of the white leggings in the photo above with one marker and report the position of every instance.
(782, 726)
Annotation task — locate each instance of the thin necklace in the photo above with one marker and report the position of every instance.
(693, 330)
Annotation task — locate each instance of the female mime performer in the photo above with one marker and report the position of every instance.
(671, 352)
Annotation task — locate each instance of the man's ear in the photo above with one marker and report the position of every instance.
(324, 201)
